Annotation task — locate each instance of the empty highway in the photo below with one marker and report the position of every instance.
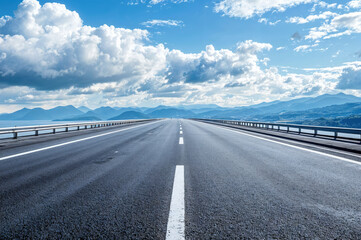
(176, 179)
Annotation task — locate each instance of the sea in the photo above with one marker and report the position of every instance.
(20, 123)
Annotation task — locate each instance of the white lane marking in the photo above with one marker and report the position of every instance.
(297, 147)
(175, 226)
(116, 152)
(313, 146)
(180, 128)
(325, 148)
(67, 143)
(181, 132)
(181, 140)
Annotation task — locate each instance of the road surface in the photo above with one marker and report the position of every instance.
(122, 183)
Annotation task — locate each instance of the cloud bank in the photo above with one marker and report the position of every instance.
(47, 54)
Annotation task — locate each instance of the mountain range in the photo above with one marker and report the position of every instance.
(301, 109)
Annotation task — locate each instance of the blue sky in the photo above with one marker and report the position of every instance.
(150, 52)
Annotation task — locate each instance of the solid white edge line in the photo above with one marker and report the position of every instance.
(181, 141)
(74, 141)
(296, 147)
(176, 224)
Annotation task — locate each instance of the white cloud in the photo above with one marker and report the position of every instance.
(350, 78)
(249, 8)
(154, 2)
(215, 65)
(265, 21)
(344, 24)
(305, 48)
(158, 22)
(51, 43)
(301, 48)
(310, 18)
(49, 57)
(323, 4)
(354, 4)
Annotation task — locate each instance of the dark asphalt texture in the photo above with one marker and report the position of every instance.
(119, 186)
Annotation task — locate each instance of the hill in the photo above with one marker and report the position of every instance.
(353, 121)
(54, 113)
(172, 113)
(15, 115)
(130, 115)
(324, 106)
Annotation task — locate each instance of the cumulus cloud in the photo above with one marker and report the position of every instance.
(48, 56)
(214, 65)
(48, 47)
(344, 24)
(249, 8)
(354, 4)
(350, 78)
(158, 22)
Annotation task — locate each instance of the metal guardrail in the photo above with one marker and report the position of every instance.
(333, 132)
(15, 131)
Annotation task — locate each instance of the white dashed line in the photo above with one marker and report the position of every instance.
(175, 226)
(181, 140)
(181, 132)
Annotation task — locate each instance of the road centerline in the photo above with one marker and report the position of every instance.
(181, 141)
(176, 225)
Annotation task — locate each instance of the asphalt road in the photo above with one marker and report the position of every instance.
(119, 185)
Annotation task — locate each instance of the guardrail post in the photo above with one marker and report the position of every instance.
(78, 127)
(299, 130)
(15, 136)
(315, 133)
(53, 130)
(335, 136)
(66, 129)
(288, 129)
(36, 132)
(86, 127)
(278, 128)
